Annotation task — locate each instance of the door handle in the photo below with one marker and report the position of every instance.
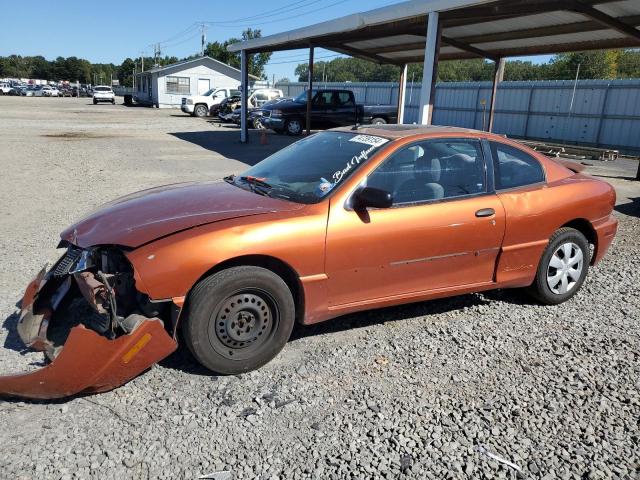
(485, 212)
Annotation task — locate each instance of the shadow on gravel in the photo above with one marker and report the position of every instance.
(631, 209)
(182, 359)
(405, 312)
(227, 144)
(12, 341)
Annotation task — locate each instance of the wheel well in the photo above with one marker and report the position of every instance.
(277, 266)
(584, 226)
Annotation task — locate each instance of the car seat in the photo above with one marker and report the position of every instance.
(424, 184)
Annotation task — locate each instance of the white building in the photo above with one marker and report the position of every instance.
(164, 87)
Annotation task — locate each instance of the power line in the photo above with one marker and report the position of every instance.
(281, 19)
(272, 13)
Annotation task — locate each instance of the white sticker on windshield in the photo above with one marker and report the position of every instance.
(369, 140)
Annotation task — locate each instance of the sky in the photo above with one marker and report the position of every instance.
(109, 32)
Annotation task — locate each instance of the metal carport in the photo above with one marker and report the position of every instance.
(431, 30)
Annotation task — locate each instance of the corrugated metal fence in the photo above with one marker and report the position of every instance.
(601, 113)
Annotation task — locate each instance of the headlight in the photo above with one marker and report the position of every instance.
(276, 113)
(189, 101)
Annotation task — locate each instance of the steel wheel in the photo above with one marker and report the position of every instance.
(565, 268)
(244, 322)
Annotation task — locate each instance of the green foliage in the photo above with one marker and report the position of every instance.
(257, 61)
(605, 64)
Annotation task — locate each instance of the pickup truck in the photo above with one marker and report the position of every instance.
(329, 109)
(199, 105)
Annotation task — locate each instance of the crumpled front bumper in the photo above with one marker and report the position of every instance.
(88, 362)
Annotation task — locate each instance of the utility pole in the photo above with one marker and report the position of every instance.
(203, 37)
(142, 60)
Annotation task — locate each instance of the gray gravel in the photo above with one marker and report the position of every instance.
(478, 386)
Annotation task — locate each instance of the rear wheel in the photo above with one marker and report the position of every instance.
(563, 267)
(238, 319)
(378, 121)
(200, 110)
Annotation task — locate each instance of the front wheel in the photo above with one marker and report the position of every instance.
(238, 319)
(378, 121)
(200, 110)
(563, 267)
(294, 127)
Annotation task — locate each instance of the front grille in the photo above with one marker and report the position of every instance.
(66, 262)
(184, 101)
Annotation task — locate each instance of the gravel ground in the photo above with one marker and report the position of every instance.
(429, 390)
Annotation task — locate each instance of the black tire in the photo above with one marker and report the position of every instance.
(113, 102)
(200, 110)
(294, 127)
(238, 319)
(540, 289)
(378, 121)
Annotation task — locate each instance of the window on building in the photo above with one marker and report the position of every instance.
(178, 85)
(514, 168)
(432, 170)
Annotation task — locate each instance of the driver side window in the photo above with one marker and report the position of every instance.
(432, 170)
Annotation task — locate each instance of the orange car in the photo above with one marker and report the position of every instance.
(341, 221)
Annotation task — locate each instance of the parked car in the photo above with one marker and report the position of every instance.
(254, 115)
(66, 92)
(342, 221)
(257, 98)
(16, 90)
(228, 106)
(5, 88)
(29, 91)
(329, 109)
(103, 93)
(200, 105)
(46, 91)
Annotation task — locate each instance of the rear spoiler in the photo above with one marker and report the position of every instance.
(573, 166)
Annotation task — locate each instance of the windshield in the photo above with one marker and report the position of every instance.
(306, 171)
(208, 92)
(302, 98)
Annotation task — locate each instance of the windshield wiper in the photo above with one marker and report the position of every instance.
(257, 185)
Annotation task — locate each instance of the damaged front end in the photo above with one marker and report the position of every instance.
(96, 329)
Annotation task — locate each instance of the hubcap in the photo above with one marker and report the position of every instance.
(565, 268)
(243, 320)
(294, 126)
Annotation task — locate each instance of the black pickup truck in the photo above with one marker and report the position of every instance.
(329, 109)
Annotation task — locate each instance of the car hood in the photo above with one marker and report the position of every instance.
(144, 216)
(286, 104)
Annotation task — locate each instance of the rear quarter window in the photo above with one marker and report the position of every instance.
(514, 167)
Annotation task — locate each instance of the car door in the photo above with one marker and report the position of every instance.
(444, 230)
(320, 107)
(343, 109)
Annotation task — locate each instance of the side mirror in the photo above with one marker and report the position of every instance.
(372, 197)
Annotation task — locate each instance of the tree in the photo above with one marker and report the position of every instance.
(125, 72)
(600, 64)
(256, 61)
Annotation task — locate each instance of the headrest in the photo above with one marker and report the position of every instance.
(427, 168)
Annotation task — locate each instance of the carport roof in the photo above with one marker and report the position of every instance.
(470, 29)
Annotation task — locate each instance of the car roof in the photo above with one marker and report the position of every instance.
(402, 131)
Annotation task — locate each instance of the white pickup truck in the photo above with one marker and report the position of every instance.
(199, 105)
